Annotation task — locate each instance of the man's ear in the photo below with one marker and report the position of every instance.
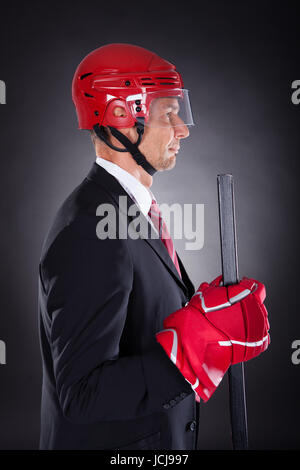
(119, 111)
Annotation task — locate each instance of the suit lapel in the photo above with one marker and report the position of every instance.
(104, 179)
(185, 277)
(157, 245)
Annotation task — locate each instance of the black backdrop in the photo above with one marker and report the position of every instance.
(238, 59)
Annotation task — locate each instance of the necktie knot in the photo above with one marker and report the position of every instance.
(154, 206)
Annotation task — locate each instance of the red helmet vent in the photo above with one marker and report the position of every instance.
(85, 75)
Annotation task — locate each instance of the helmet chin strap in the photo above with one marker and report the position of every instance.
(129, 146)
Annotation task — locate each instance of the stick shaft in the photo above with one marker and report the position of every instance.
(238, 412)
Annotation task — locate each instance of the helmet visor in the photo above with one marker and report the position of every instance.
(163, 108)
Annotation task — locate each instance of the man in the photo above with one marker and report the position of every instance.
(128, 347)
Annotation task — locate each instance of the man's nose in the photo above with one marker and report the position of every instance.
(180, 129)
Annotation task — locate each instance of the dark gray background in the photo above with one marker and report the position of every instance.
(238, 59)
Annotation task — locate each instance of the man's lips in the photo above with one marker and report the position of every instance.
(174, 149)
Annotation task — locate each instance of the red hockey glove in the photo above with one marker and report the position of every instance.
(220, 326)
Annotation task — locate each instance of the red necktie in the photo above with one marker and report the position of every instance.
(158, 222)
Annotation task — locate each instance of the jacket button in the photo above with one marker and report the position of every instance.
(183, 395)
(172, 402)
(191, 426)
(166, 406)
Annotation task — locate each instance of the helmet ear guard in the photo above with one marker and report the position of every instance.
(111, 119)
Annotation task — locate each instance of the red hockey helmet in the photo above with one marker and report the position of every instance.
(128, 76)
(133, 78)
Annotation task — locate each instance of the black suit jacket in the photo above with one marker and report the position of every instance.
(107, 383)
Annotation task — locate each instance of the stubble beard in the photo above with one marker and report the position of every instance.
(166, 163)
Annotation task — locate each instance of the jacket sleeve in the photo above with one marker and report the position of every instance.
(87, 284)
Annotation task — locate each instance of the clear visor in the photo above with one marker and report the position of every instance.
(163, 108)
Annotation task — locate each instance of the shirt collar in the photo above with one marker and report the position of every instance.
(139, 193)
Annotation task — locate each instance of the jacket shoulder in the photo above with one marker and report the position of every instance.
(76, 217)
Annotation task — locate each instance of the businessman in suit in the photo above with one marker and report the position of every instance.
(113, 308)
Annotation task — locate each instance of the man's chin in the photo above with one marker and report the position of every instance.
(167, 163)
(172, 162)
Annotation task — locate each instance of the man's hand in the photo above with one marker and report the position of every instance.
(220, 326)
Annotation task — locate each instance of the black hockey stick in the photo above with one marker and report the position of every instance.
(238, 412)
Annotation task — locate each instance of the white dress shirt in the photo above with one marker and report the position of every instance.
(141, 195)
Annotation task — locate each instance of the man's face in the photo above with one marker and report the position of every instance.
(162, 134)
